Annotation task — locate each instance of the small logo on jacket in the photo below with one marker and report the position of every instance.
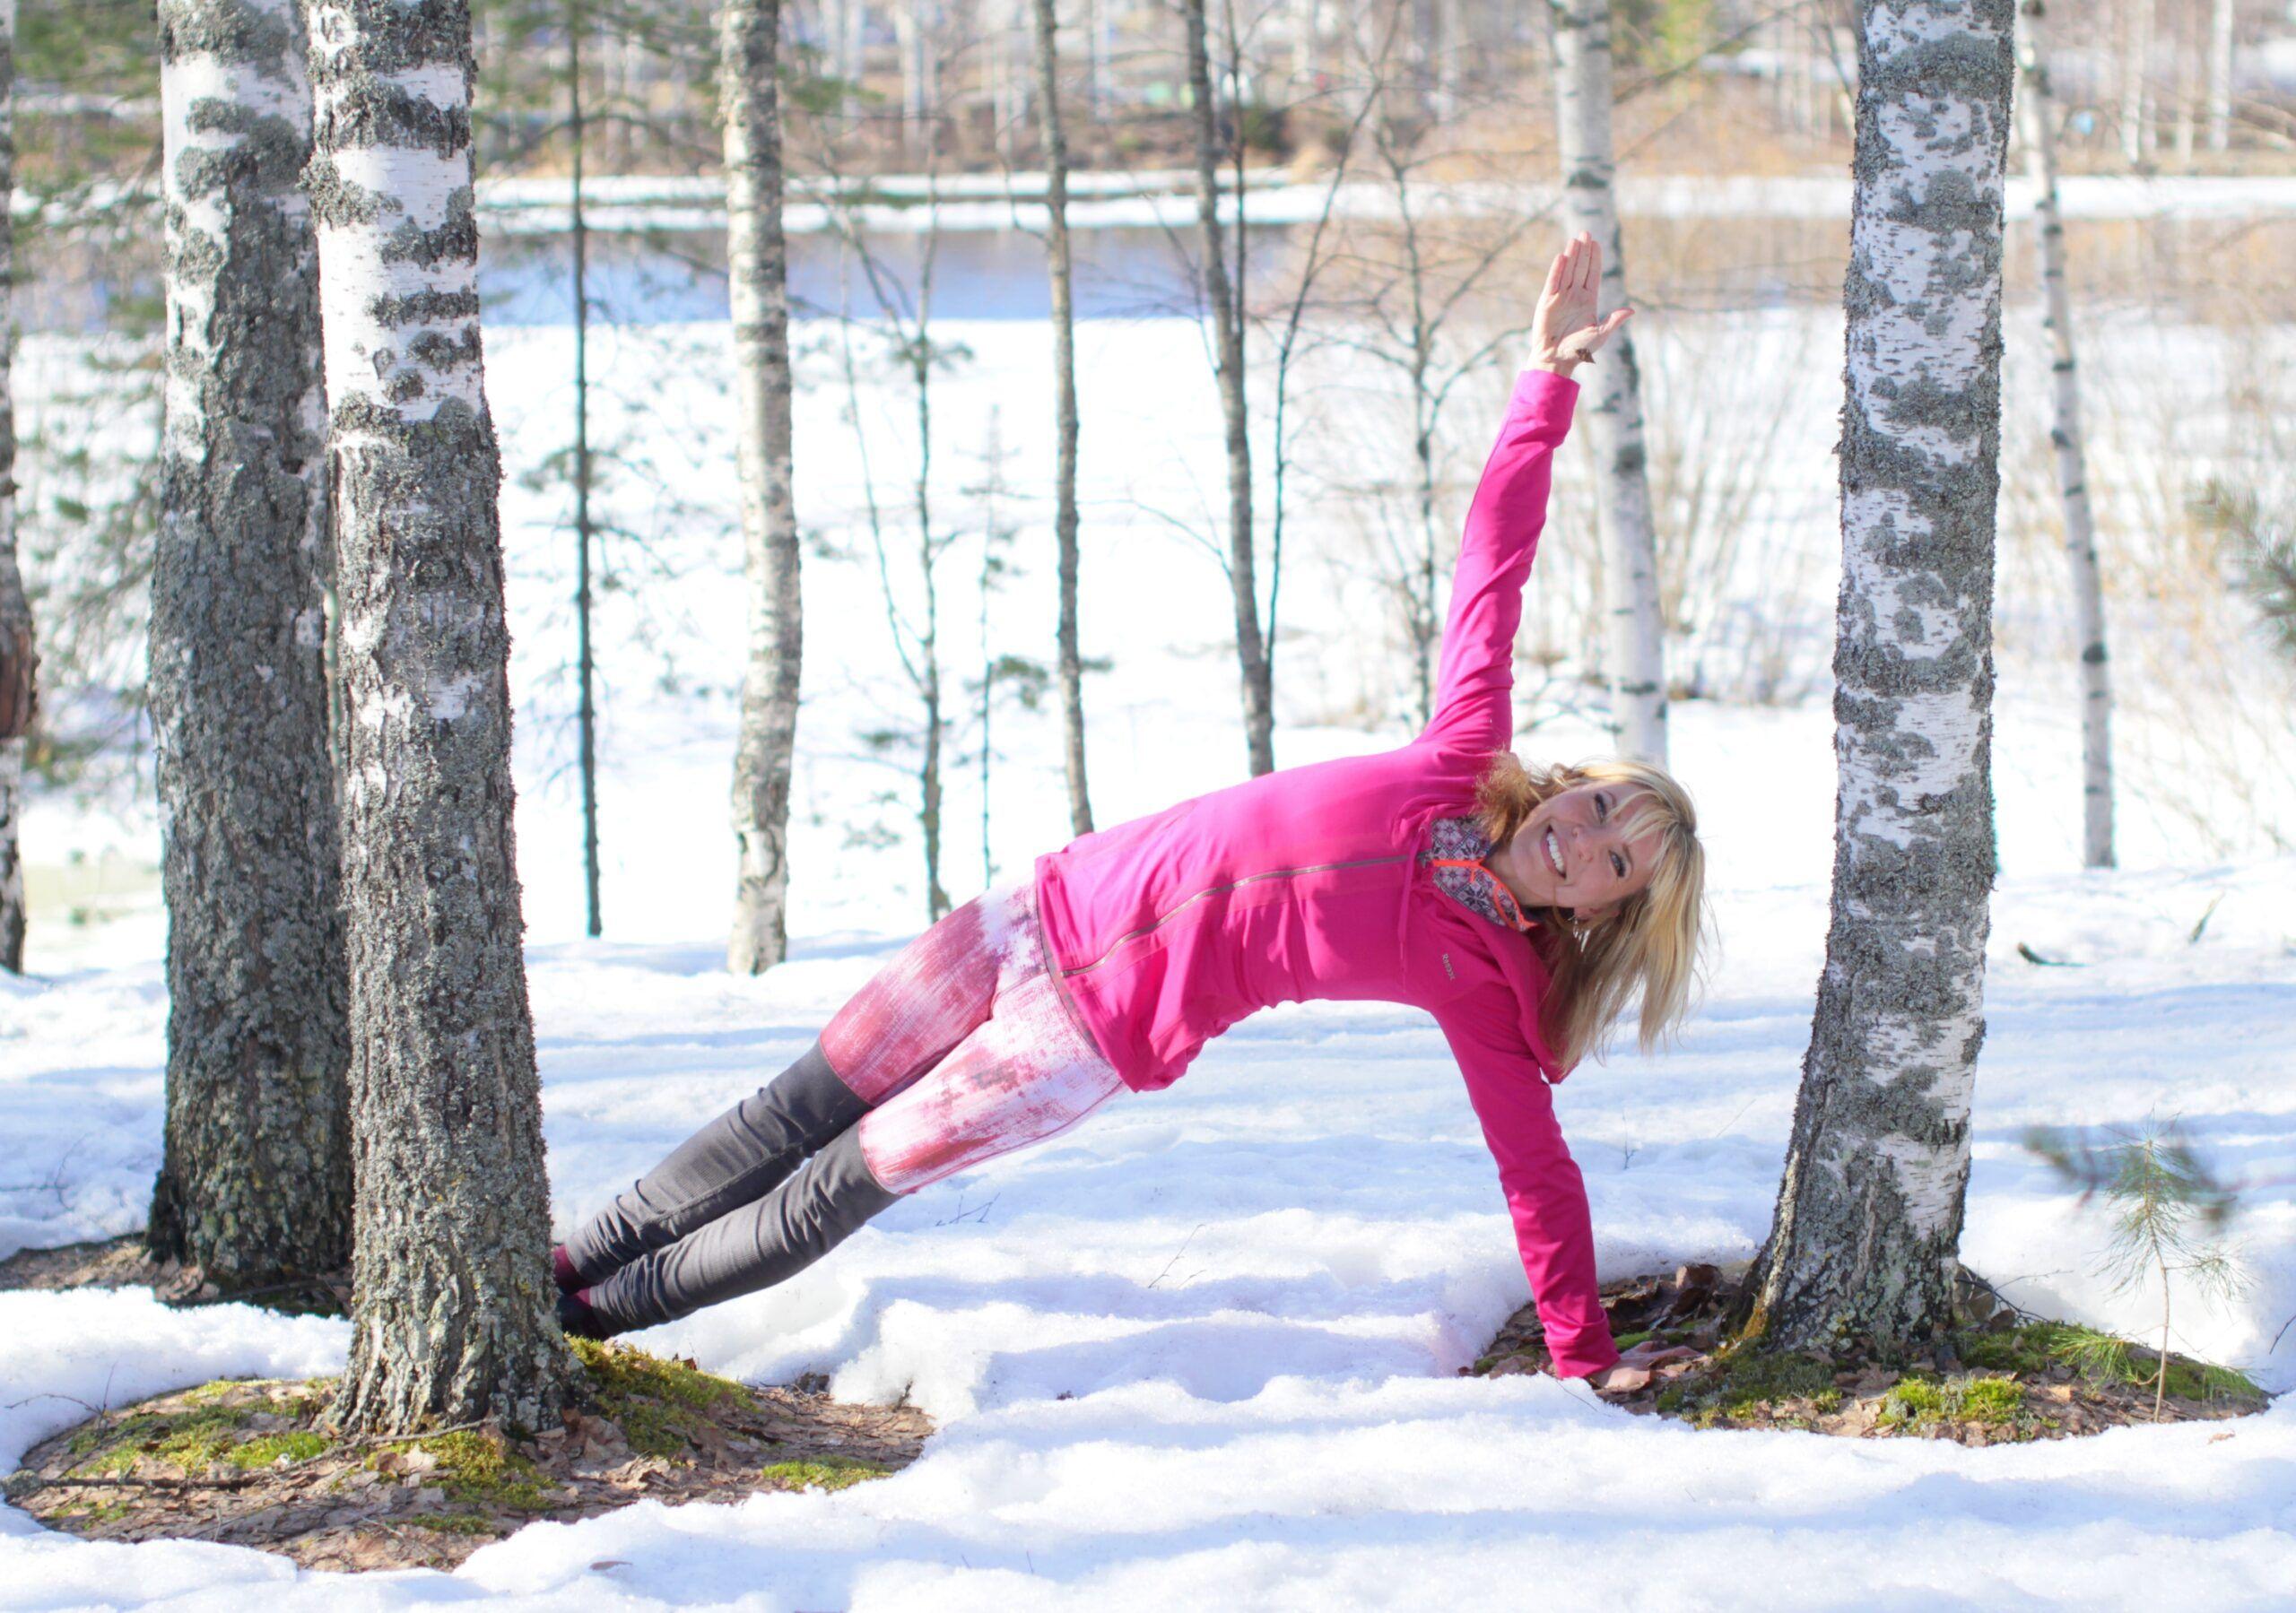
(1448, 972)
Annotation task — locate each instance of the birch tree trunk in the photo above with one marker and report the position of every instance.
(1636, 638)
(922, 356)
(2135, 82)
(1862, 1251)
(1099, 52)
(2222, 22)
(255, 1186)
(2036, 111)
(757, 264)
(1228, 327)
(19, 660)
(1068, 651)
(916, 28)
(452, 1319)
(585, 655)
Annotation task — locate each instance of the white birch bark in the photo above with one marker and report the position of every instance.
(915, 25)
(1099, 53)
(2037, 116)
(1862, 1253)
(2137, 98)
(451, 1320)
(1255, 668)
(1305, 53)
(1637, 635)
(255, 1186)
(1067, 649)
(2223, 18)
(19, 661)
(749, 100)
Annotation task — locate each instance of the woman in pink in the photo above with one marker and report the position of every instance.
(1521, 905)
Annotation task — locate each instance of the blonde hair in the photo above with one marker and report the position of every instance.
(1649, 942)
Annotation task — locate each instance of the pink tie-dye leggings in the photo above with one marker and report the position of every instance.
(962, 1048)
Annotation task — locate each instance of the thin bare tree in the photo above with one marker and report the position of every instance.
(2037, 118)
(578, 231)
(1862, 1251)
(1068, 653)
(918, 354)
(18, 659)
(1223, 290)
(1637, 640)
(2223, 20)
(1291, 337)
(758, 272)
(2138, 101)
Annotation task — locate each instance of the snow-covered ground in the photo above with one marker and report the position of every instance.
(1202, 1351)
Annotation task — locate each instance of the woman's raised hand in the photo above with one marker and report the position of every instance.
(1564, 331)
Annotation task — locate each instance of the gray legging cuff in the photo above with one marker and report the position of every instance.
(751, 1247)
(734, 1160)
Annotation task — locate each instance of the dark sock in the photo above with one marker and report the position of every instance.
(562, 1269)
(577, 1320)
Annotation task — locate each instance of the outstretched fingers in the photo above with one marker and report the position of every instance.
(1558, 271)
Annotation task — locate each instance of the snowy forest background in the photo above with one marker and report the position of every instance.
(1735, 200)
(1275, 1268)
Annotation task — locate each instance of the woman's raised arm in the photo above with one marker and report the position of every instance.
(1475, 681)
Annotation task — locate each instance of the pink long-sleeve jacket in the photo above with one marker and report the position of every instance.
(1306, 884)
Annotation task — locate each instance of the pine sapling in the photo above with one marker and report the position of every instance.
(2169, 1209)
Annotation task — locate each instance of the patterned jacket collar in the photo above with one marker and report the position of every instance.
(1453, 853)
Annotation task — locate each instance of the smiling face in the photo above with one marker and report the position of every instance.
(1574, 851)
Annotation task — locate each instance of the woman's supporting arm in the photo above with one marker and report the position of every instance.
(1475, 681)
(1546, 1198)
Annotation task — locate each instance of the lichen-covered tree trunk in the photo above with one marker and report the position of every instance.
(1256, 674)
(1636, 642)
(19, 661)
(1862, 1250)
(758, 262)
(255, 1184)
(1068, 653)
(452, 1312)
(2037, 113)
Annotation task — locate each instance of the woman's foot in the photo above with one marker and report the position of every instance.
(577, 1320)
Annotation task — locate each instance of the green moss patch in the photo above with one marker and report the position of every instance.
(1748, 1386)
(1927, 1405)
(832, 1474)
(269, 1450)
(2007, 1378)
(254, 1464)
(451, 1524)
(233, 1423)
(664, 1407)
(475, 1467)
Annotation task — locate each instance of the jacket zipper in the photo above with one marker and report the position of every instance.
(1250, 879)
